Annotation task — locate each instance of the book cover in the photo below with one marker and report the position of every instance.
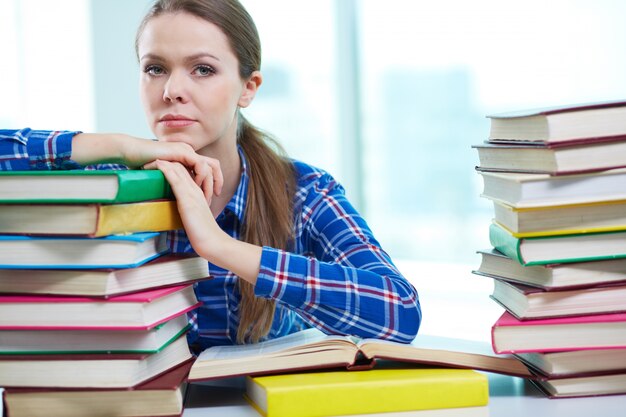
(135, 311)
(62, 342)
(161, 396)
(555, 249)
(526, 302)
(89, 220)
(96, 371)
(563, 124)
(365, 392)
(46, 252)
(563, 160)
(602, 331)
(523, 190)
(605, 216)
(82, 186)
(171, 269)
(550, 277)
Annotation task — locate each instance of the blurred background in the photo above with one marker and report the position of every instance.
(387, 96)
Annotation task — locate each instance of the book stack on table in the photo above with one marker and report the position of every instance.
(92, 306)
(557, 181)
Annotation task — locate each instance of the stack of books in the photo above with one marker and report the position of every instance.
(92, 305)
(557, 180)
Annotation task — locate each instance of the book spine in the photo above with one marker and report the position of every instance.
(506, 243)
(141, 186)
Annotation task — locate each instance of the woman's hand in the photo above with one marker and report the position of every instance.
(205, 235)
(94, 148)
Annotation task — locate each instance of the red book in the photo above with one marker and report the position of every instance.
(136, 311)
(605, 331)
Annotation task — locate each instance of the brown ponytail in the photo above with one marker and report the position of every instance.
(268, 219)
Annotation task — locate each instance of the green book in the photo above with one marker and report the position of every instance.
(80, 186)
(556, 249)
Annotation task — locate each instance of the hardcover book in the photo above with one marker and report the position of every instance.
(544, 250)
(527, 303)
(572, 123)
(604, 331)
(540, 190)
(606, 216)
(167, 270)
(586, 386)
(90, 370)
(60, 342)
(82, 186)
(311, 349)
(115, 251)
(576, 363)
(552, 276)
(162, 396)
(373, 391)
(579, 158)
(89, 220)
(136, 311)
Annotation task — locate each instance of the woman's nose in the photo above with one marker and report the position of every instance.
(174, 89)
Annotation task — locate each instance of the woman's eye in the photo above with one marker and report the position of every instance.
(153, 70)
(204, 70)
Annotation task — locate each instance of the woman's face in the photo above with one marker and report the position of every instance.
(190, 83)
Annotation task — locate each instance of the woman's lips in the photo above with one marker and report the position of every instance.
(174, 121)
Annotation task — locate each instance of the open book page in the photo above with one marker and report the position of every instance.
(294, 341)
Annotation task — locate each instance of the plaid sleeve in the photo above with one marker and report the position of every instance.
(347, 284)
(26, 149)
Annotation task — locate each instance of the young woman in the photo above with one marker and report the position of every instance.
(285, 247)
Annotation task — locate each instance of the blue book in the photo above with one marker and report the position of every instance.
(54, 252)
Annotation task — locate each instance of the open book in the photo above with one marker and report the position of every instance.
(311, 349)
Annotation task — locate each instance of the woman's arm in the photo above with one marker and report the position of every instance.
(26, 149)
(348, 284)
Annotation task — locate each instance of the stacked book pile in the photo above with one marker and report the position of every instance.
(557, 180)
(92, 307)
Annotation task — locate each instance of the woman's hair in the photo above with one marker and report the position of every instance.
(268, 219)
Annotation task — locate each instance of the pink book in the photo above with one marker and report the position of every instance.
(135, 311)
(605, 331)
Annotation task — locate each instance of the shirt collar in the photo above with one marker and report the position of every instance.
(237, 204)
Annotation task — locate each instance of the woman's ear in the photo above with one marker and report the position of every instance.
(250, 88)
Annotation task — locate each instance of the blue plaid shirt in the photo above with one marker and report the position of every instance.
(337, 278)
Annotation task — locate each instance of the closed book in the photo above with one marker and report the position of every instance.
(311, 349)
(604, 331)
(494, 264)
(61, 342)
(544, 250)
(167, 270)
(606, 216)
(373, 391)
(91, 370)
(583, 386)
(89, 220)
(541, 190)
(162, 396)
(82, 186)
(571, 159)
(576, 363)
(115, 251)
(569, 123)
(526, 302)
(141, 310)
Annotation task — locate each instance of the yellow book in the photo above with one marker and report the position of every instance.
(90, 220)
(322, 394)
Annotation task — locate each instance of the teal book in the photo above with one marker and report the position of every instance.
(80, 186)
(557, 249)
(53, 252)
